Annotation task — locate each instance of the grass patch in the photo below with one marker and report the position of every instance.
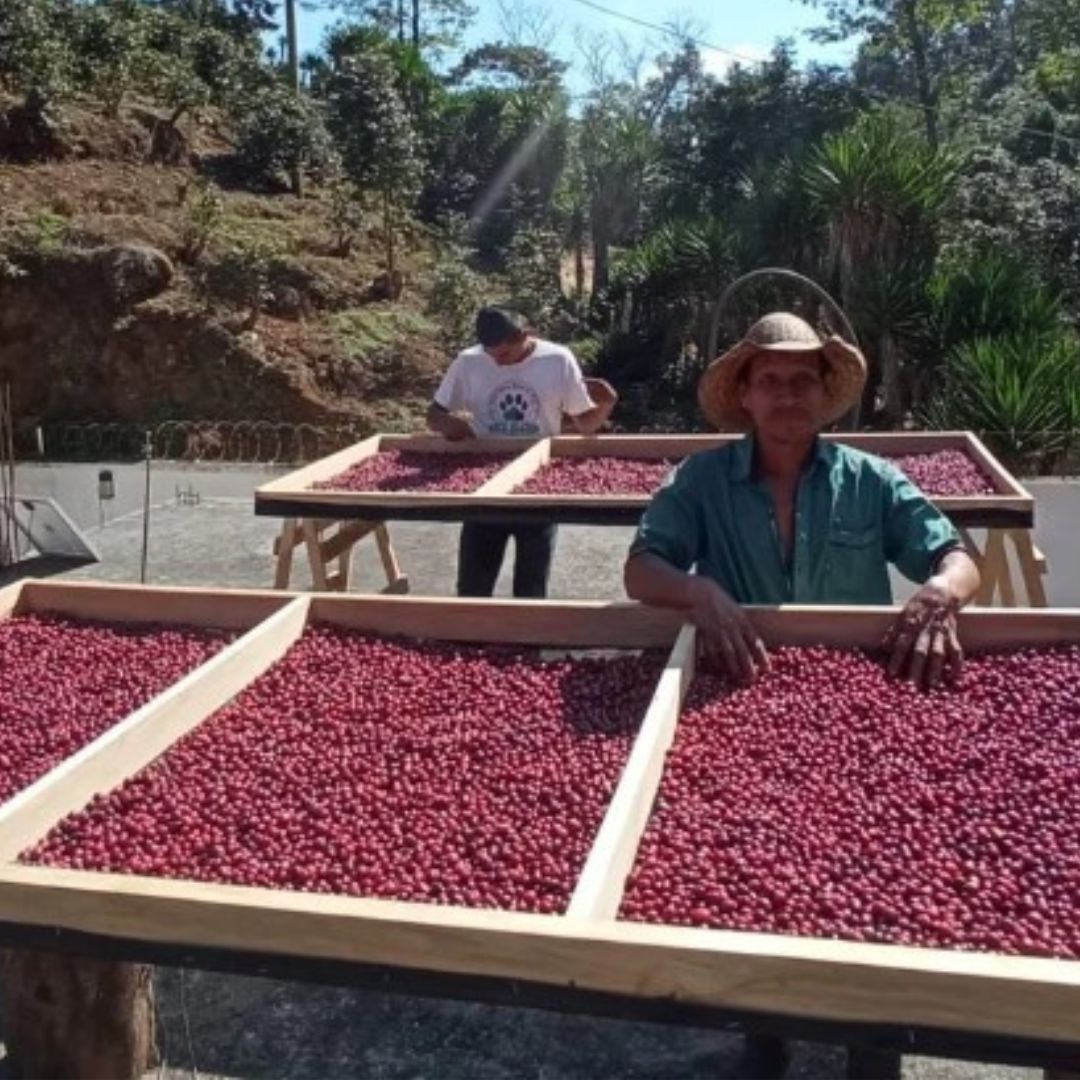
(365, 332)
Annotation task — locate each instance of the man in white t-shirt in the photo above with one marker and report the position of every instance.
(513, 383)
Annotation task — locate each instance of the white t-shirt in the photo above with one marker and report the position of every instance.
(527, 398)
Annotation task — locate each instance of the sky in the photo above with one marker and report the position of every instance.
(746, 27)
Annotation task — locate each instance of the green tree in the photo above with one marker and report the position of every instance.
(36, 55)
(111, 45)
(282, 132)
(375, 138)
(914, 34)
(430, 25)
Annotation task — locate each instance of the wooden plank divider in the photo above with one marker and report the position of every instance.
(600, 887)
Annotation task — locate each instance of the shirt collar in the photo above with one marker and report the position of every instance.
(742, 466)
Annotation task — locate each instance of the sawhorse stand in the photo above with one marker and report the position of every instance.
(997, 577)
(328, 542)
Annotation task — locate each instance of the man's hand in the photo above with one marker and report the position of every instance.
(604, 398)
(457, 429)
(923, 644)
(445, 423)
(730, 637)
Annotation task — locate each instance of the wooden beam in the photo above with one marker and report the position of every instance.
(518, 471)
(836, 980)
(224, 609)
(11, 598)
(324, 469)
(579, 624)
(343, 540)
(136, 741)
(285, 548)
(1032, 566)
(600, 887)
(637, 446)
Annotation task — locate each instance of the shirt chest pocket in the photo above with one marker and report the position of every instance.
(855, 559)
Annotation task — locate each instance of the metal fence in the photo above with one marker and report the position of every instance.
(269, 442)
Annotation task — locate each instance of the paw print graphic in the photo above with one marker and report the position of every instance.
(513, 407)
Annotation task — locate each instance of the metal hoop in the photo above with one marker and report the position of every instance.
(793, 275)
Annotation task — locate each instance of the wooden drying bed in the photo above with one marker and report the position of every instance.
(919, 1000)
(328, 524)
(293, 495)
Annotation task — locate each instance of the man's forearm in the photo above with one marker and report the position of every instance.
(651, 580)
(590, 422)
(960, 576)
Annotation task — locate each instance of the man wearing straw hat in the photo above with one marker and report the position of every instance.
(785, 517)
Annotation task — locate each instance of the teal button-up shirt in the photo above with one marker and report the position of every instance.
(854, 514)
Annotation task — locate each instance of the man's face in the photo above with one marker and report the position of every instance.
(511, 351)
(784, 393)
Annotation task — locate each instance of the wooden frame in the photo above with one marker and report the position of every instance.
(587, 948)
(296, 488)
(1011, 506)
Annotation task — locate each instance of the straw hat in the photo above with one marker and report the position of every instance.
(718, 390)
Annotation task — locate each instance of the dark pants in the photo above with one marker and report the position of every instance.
(480, 558)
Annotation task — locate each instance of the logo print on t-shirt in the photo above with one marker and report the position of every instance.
(514, 409)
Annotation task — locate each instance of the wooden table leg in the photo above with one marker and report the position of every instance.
(77, 1018)
(996, 575)
(396, 581)
(284, 547)
(1032, 566)
(313, 542)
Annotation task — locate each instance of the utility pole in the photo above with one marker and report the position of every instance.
(295, 177)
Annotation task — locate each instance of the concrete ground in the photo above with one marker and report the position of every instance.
(226, 1026)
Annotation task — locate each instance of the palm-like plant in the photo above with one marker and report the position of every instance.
(1021, 392)
(620, 153)
(877, 186)
(879, 189)
(989, 296)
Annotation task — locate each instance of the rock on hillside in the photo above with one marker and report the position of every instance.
(81, 337)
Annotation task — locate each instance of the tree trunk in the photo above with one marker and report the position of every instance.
(579, 267)
(76, 1018)
(388, 228)
(401, 21)
(416, 24)
(922, 71)
(294, 45)
(296, 177)
(601, 272)
(712, 340)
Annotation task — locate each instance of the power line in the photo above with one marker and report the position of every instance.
(757, 60)
(669, 31)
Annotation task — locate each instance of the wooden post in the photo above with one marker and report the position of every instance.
(338, 547)
(74, 1018)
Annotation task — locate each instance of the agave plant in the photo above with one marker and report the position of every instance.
(876, 185)
(680, 266)
(1021, 392)
(987, 297)
(879, 188)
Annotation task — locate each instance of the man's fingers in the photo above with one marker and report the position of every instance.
(920, 654)
(759, 655)
(743, 656)
(954, 652)
(939, 643)
(905, 637)
(727, 654)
